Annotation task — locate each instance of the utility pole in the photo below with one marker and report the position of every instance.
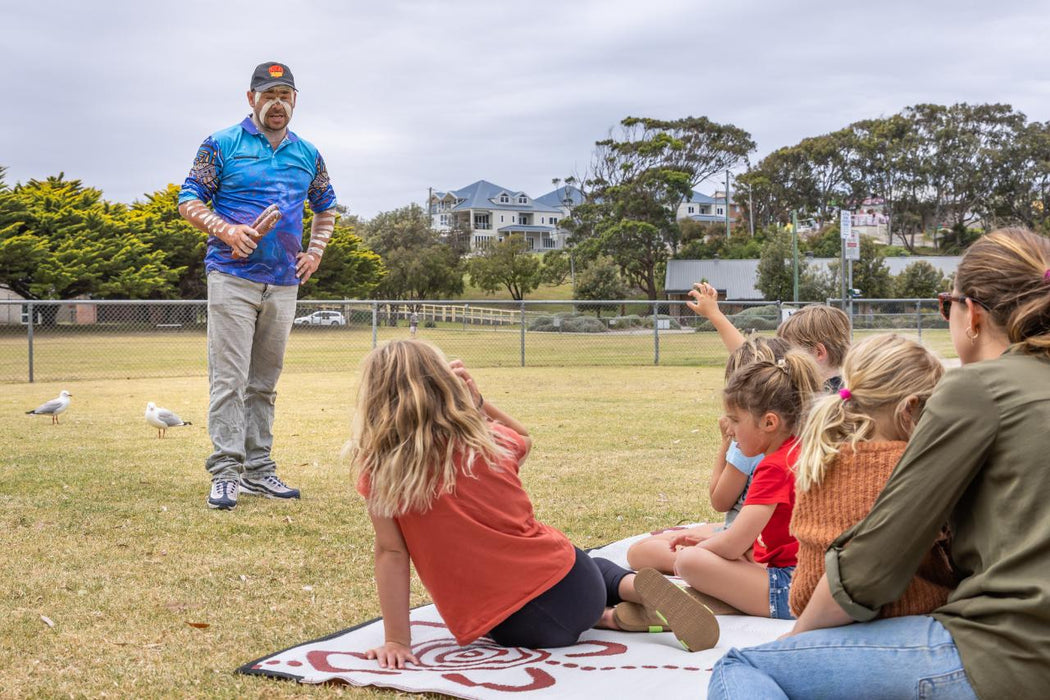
(727, 204)
(750, 210)
(794, 246)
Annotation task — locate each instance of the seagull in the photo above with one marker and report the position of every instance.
(53, 407)
(162, 418)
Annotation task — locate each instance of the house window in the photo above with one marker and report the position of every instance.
(541, 220)
(444, 219)
(501, 218)
(691, 210)
(523, 219)
(720, 212)
(504, 199)
(523, 200)
(482, 221)
(554, 220)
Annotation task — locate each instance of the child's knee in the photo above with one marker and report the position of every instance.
(691, 561)
(636, 553)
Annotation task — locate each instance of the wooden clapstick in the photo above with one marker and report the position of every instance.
(265, 222)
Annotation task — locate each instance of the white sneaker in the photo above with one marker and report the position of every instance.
(223, 494)
(269, 486)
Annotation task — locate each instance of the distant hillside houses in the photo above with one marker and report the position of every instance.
(708, 209)
(736, 280)
(490, 213)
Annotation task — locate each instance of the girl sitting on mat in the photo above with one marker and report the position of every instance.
(977, 460)
(765, 402)
(850, 444)
(730, 477)
(438, 466)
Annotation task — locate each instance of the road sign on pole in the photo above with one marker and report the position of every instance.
(853, 247)
(845, 224)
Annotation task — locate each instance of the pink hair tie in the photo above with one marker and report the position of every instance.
(1046, 275)
(845, 394)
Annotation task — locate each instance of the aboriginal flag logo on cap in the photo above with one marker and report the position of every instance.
(276, 71)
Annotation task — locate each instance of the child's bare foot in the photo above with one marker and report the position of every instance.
(607, 621)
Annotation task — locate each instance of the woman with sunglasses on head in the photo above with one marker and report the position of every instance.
(976, 461)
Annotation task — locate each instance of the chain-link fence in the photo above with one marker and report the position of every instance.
(63, 340)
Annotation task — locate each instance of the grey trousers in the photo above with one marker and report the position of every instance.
(248, 327)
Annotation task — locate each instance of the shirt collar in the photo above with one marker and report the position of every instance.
(249, 125)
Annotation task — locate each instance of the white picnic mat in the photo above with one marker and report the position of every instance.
(603, 663)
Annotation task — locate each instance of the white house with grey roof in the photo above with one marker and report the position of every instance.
(490, 213)
(707, 209)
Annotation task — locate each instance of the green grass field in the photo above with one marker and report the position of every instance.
(62, 356)
(107, 535)
(120, 581)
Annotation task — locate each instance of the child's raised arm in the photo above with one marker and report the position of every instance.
(705, 303)
(392, 574)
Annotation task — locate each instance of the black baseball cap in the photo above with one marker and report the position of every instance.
(271, 73)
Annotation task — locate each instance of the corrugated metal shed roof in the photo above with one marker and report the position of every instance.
(738, 277)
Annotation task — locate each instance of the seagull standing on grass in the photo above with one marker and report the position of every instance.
(162, 418)
(53, 407)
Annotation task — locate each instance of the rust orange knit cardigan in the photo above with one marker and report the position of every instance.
(851, 484)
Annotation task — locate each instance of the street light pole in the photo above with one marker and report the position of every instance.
(727, 204)
(750, 210)
(794, 247)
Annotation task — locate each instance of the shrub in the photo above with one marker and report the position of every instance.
(758, 318)
(673, 322)
(629, 321)
(569, 323)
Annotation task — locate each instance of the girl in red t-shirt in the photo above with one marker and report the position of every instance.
(438, 466)
(764, 403)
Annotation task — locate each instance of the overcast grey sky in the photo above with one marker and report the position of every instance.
(401, 95)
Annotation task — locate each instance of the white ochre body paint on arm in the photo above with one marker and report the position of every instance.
(320, 232)
(205, 219)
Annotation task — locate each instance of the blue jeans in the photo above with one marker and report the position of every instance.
(779, 592)
(902, 657)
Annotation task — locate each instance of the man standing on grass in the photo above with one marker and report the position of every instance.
(254, 273)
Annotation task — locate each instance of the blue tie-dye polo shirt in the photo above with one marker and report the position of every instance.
(240, 174)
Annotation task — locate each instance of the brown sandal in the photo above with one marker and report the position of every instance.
(692, 622)
(635, 617)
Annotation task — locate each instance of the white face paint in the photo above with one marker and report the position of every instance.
(267, 101)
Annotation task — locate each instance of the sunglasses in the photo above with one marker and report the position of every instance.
(945, 299)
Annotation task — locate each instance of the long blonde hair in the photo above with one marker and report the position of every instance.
(880, 372)
(414, 417)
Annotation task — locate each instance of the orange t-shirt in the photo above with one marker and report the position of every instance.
(479, 550)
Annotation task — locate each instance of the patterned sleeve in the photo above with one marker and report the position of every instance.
(321, 194)
(203, 181)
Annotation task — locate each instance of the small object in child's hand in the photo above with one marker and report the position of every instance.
(265, 222)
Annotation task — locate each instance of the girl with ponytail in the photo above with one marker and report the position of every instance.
(850, 443)
(764, 403)
(977, 460)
